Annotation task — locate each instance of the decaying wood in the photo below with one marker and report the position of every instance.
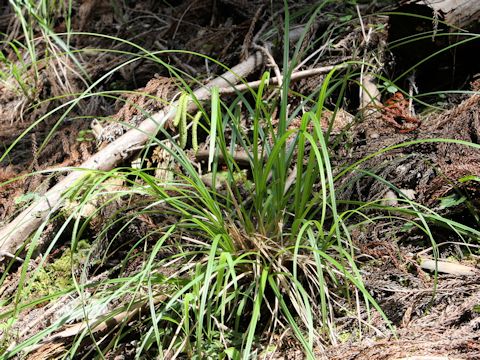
(14, 234)
(461, 13)
(55, 344)
(443, 59)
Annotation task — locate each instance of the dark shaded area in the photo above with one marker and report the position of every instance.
(414, 36)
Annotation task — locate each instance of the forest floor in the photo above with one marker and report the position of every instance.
(432, 313)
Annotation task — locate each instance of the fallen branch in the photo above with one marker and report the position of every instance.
(56, 342)
(14, 234)
(241, 156)
(298, 75)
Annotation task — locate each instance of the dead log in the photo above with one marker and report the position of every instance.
(433, 41)
(464, 14)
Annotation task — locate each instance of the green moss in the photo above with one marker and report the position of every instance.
(345, 336)
(56, 276)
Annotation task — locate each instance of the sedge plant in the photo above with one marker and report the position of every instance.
(230, 264)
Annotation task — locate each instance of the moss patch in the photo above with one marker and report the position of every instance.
(57, 276)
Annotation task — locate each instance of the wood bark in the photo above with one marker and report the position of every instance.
(459, 13)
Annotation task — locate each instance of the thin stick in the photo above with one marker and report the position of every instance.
(275, 80)
(271, 62)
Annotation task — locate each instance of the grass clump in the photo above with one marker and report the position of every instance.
(247, 262)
